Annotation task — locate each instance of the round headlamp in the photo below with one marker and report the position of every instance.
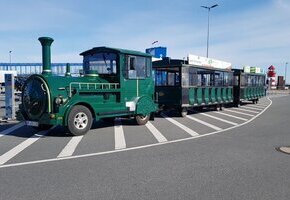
(58, 100)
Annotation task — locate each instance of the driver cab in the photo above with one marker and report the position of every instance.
(101, 62)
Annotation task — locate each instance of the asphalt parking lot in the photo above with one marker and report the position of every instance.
(229, 154)
(23, 145)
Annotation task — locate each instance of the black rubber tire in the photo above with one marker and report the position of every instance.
(79, 109)
(152, 116)
(183, 112)
(216, 108)
(141, 119)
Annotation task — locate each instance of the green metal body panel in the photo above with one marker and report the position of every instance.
(192, 96)
(167, 95)
(224, 94)
(230, 94)
(251, 93)
(219, 94)
(213, 96)
(177, 97)
(199, 95)
(206, 95)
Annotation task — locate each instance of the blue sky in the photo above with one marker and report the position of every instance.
(244, 32)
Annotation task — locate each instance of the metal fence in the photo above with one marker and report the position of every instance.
(36, 68)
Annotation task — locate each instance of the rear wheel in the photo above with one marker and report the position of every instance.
(79, 120)
(142, 119)
(183, 112)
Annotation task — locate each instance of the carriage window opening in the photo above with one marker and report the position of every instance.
(132, 63)
(236, 80)
(230, 79)
(185, 77)
(166, 78)
(148, 67)
(199, 82)
(103, 63)
(255, 80)
(193, 79)
(248, 80)
(218, 79)
(205, 77)
(226, 79)
(243, 80)
(262, 81)
(137, 67)
(171, 79)
(160, 78)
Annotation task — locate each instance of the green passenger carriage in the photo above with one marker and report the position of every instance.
(248, 86)
(180, 85)
(114, 83)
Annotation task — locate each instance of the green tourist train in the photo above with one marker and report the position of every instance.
(124, 83)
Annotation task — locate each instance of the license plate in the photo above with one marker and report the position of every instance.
(32, 123)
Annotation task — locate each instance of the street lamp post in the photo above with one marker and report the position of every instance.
(208, 8)
(286, 72)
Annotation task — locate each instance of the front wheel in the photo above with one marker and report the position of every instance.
(142, 119)
(79, 120)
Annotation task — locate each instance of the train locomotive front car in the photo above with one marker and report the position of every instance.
(114, 83)
(181, 86)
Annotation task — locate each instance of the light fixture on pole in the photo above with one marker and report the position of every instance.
(9, 60)
(208, 8)
(286, 72)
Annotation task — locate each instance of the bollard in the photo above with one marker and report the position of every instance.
(9, 97)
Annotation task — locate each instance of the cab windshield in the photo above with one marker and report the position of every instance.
(102, 63)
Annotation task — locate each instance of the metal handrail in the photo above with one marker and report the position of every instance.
(96, 86)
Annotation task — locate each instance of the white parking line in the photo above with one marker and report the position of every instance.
(159, 137)
(242, 109)
(233, 116)
(71, 146)
(11, 129)
(222, 120)
(186, 129)
(120, 142)
(19, 148)
(252, 108)
(262, 104)
(256, 106)
(225, 131)
(233, 111)
(204, 123)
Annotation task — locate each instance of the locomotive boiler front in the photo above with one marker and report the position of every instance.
(35, 95)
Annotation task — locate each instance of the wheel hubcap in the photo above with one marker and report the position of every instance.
(81, 120)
